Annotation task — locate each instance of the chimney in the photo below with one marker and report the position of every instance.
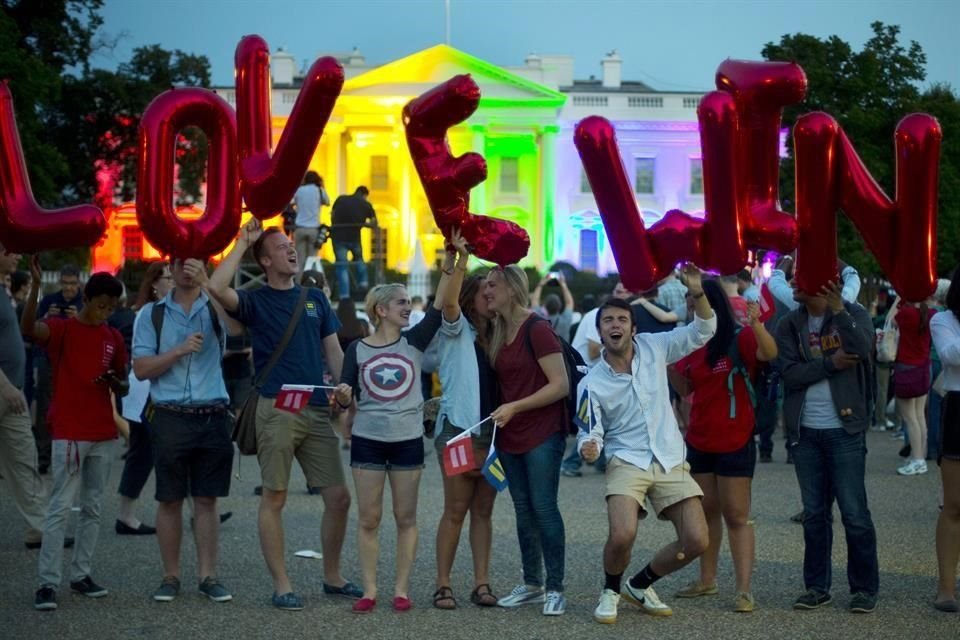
(356, 58)
(611, 65)
(533, 61)
(282, 67)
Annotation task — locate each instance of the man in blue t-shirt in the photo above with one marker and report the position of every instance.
(281, 435)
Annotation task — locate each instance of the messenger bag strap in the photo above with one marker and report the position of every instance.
(285, 340)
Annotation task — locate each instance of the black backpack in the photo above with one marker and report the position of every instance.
(576, 370)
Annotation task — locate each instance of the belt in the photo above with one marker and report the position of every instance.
(194, 410)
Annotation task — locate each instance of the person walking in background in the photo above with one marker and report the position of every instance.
(82, 426)
(824, 347)
(528, 360)
(350, 213)
(911, 379)
(469, 396)
(720, 445)
(380, 386)
(309, 200)
(945, 328)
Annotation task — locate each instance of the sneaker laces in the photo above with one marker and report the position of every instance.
(553, 598)
(650, 597)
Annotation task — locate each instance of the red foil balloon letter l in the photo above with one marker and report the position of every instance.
(24, 226)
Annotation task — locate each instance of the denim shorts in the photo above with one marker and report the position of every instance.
(405, 455)
(734, 464)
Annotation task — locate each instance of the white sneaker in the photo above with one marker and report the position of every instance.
(913, 468)
(606, 611)
(521, 594)
(554, 604)
(647, 600)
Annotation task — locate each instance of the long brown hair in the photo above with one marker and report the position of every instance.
(516, 280)
(147, 293)
(482, 325)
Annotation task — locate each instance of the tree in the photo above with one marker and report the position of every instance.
(868, 92)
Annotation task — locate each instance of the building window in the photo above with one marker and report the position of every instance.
(379, 173)
(648, 102)
(696, 176)
(643, 178)
(509, 175)
(691, 103)
(584, 182)
(588, 250)
(132, 243)
(589, 101)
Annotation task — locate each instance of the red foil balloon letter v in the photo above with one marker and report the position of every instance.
(268, 183)
(739, 129)
(24, 226)
(447, 180)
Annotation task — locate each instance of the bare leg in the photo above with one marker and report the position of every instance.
(914, 434)
(405, 487)
(735, 503)
(169, 535)
(369, 487)
(270, 520)
(711, 509)
(457, 495)
(948, 530)
(622, 512)
(692, 538)
(333, 529)
(206, 534)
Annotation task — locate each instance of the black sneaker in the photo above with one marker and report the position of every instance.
(88, 588)
(863, 602)
(46, 599)
(68, 542)
(812, 599)
(766, 457)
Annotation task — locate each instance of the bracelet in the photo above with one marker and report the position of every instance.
(343, 406)
(445, 272)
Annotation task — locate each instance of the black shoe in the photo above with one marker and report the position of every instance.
(46, 599)
(766, 457)
(863, 602)
(42, 469)
(258, 490)
(67, 544)
(812, 599)
(905, 451)
(88, 588)
(798, 518)
(226, 515)
(123, 529)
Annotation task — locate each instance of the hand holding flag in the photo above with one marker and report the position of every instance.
(294, 397)
(458, 454)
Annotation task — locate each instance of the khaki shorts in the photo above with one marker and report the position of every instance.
(307, 436)
(662, 488)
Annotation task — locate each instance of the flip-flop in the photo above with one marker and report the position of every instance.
(444, 594)
(477, 598)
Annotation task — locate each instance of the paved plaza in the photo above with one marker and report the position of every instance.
(904, 510)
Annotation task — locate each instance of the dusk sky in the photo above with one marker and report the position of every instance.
(669, 45)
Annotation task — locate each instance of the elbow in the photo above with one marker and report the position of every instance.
(139, 371)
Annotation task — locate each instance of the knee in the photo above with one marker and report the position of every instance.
(405, 519)
(735, 517)
(369, 520)
(621, 540)
(338, 500)
(204, 504)
(482, 510)
(695, 541)
(173, 507)
(273, 500)
(455, 513)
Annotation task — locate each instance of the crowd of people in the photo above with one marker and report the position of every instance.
(674, 394)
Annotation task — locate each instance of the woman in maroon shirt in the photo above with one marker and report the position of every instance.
(530, 439)
(911, 379)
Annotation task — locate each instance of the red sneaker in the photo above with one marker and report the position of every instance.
(365, 605)
(401, 604)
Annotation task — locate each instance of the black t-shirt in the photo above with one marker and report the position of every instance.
(122, 320)
(646, 323)
(348, 215)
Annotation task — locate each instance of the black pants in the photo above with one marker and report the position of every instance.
(139, 462)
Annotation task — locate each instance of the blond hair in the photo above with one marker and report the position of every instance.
(381, 294)
(516, 280)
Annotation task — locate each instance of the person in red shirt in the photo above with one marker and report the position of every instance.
(911, 379)
(531, 436)
(720, 446)
(88, 359)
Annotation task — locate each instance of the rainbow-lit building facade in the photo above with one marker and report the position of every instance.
(523, 127)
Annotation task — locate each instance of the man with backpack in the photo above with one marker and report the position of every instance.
(625, 412)
(189, 422)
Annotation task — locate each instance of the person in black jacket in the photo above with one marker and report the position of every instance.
(825, 349)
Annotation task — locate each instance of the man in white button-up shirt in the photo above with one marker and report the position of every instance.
(625, 412)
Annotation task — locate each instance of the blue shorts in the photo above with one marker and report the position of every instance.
(405, 455)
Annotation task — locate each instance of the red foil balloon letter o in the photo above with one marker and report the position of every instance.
(169, 113)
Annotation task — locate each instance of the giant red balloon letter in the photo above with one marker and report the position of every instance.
(447, 180)
(24, 226)
(169, 113)
(268, 183)
(901, 234)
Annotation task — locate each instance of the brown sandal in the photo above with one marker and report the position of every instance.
(444, 594)
(485, 599)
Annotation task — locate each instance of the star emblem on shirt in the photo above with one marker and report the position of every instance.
(388, 375)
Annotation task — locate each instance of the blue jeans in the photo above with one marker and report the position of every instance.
(831, 463)
(534, 479)
(340, 251)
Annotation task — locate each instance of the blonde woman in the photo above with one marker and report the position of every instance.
(381, 388)
(528, 360)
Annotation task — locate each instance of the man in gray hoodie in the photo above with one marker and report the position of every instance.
(824, 354)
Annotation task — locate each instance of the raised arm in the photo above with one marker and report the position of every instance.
(665, 317)
(766, 343)
(535, 294)
(39, 332)
(198, 271)
(219, 286)
(451, 280)
(565, 290)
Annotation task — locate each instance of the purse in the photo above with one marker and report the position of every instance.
(245, 425)
(889, 341)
